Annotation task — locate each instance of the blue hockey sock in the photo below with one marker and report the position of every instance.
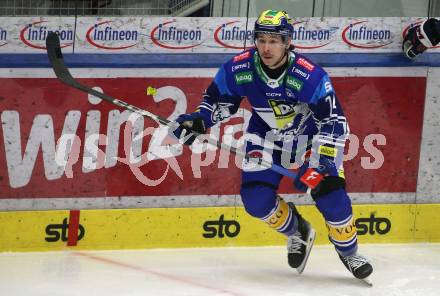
(336, 209)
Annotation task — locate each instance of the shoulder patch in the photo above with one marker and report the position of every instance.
(240, 67)
(242, 56)
(303, 74)
(305, 64)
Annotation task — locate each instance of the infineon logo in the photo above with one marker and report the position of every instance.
(231, 36)
(313, 38)
(172, 37)
(359, 35)
(34, 35)
(104, 36)
(3, 37)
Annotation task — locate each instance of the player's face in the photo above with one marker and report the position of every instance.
(271, 48)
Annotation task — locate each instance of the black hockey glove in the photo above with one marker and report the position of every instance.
(189, 123)
(420, 37)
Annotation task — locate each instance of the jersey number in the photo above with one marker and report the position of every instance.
(332, 101)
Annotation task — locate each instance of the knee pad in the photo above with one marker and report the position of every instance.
(258, 198)
(263, 203)
(334, 206)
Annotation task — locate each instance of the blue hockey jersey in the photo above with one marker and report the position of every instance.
(302, 95)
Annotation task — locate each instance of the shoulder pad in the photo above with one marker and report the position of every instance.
(305, 68)
(240, 67)
(306, 64)
(304, 77)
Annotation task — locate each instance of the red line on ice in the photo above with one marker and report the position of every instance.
(156, 273)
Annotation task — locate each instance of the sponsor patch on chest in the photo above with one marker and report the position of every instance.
(244, 77)
(294, 83)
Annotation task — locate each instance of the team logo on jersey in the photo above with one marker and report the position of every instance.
(221, 112)
(284, 112)
(294, 83)
(244, 77)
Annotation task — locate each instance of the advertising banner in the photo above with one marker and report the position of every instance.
(198, 35)
(198, 227)
(58, 142)
(28, 34)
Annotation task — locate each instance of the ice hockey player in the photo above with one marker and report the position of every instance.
(420, 37)
(290, 96)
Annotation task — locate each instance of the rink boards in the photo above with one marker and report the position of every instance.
(199, 227)
(386, 161)
(396, 201)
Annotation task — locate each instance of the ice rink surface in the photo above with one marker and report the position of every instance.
(409, 269)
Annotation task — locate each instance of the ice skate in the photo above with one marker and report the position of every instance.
(300, 243)
(358, 266)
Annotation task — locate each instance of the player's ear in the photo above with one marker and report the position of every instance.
(288, 42)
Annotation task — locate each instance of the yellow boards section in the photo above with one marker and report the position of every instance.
(427, 223)
(30, 231)
(384, 223)
(199, 227)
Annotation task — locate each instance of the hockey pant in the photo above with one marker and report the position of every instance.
(259, 196)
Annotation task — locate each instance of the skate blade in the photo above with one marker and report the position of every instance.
(310, 241)
(367, 282)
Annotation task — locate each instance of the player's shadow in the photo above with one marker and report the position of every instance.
(293, 279)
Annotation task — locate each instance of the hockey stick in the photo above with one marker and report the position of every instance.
(62, 72)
